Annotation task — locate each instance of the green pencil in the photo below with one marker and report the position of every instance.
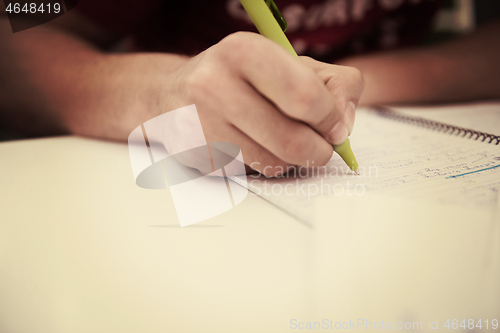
(264, 15)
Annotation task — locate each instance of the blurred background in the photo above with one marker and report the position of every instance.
(456, 18)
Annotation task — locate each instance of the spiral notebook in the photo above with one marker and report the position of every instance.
(468, 133)
(399, 155)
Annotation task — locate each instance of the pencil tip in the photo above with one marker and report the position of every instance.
(356, 172)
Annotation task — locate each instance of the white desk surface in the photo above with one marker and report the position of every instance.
(83, 249)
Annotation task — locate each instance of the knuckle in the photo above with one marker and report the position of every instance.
(307, 58)
(199, 82)
(357, 77)
(237, 37)
(234, 49)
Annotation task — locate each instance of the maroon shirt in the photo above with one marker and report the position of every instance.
(324, 29)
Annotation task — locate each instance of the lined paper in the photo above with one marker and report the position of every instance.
(396, 159)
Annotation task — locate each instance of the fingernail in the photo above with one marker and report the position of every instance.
(349, 114)
(338, 133)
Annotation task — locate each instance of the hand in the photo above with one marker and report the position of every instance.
(280, 110)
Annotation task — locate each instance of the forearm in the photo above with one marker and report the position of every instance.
(464, 69)
(55, 82)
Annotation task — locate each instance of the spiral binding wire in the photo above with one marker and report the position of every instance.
(438, 126)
